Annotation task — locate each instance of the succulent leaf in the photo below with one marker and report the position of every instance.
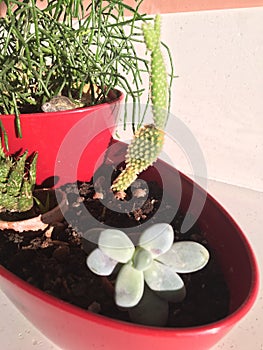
(16, 176)
(186, 257)
(129, 286)
(100, 263)
(157, 239)
(142, 259)
(16, 182)
(33, 170)
(5, 166)
(160, 277)
(116, 245)
(25, 199)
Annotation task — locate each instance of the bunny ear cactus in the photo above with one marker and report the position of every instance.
(148, 140)
(142, 152)
(17, 180)
(159, 85)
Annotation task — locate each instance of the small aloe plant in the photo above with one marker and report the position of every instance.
(17, 180)
(148, 141)
(153, 264)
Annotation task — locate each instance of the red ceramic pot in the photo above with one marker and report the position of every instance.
(73, 328)
(66, 140)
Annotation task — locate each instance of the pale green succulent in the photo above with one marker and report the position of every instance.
(155, 262)
(17, 180)
(148, 141)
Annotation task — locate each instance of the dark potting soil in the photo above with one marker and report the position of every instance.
(55, 261)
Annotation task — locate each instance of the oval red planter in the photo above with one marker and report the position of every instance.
(73, 328)
(57, 138)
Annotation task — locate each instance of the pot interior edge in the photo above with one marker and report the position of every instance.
(229, 244)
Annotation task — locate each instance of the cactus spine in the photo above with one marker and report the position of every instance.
(148, 141)
(17, 180)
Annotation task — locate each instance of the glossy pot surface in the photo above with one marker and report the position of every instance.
(73, 328)
(65, 140)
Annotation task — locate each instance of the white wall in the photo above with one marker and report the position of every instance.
(218, 57)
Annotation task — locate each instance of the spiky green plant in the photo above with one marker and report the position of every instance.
(17, 180)
(148, 141)
(158, 83)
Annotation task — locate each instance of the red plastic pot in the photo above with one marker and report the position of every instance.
(45, 133)
(73, 328)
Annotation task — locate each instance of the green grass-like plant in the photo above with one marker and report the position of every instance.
(58, 50)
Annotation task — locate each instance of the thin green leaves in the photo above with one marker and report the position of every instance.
(50, 51)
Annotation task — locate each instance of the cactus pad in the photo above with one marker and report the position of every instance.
(148, 140)
(142, 152)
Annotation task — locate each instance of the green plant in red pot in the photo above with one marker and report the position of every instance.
(22, 207)
(146, 258)
(87, 326)
(148, 279)
(68, 61)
